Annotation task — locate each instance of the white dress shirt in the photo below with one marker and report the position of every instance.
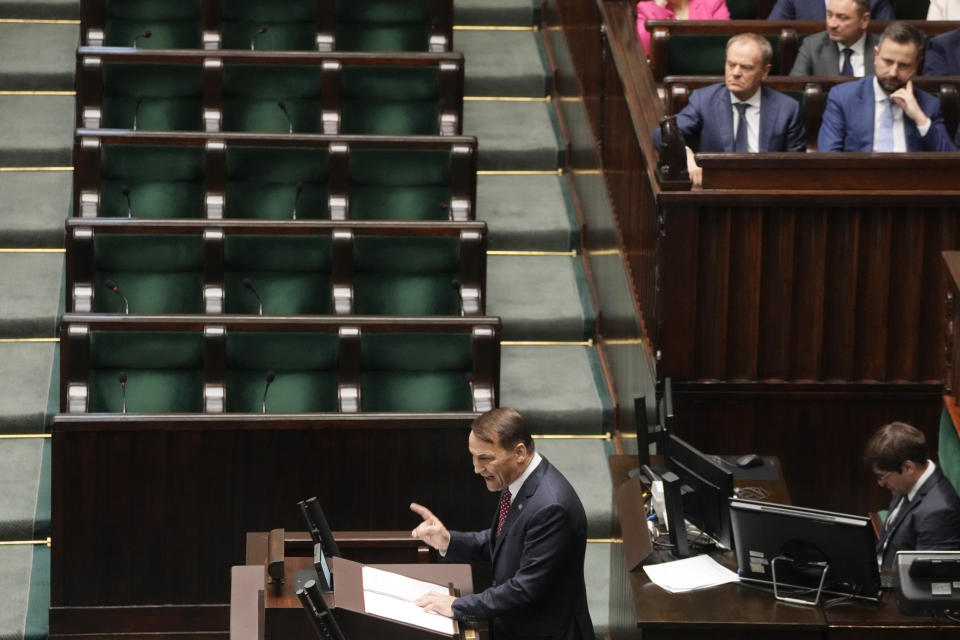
(857, 60)
(899, 136)
(752, 118)
(517, 484)
(944, 10)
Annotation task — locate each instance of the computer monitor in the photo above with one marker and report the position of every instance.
(805, 550)
(707, 486)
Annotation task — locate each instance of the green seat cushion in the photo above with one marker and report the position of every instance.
(252, 93)
(304, 366)
(279, 35)
(262, 183)
(415, 371)
(398, 184)
(264, 115)
(163, 182)
(383, 25)
(164, 34)
(390, 100)
(170, 94)
(276, 201)
(395, 118)
(406, 275)
(374, 202)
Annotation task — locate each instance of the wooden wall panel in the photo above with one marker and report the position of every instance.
(810, 285)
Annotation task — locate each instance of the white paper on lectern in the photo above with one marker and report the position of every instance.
(689, 574)
(391, 595)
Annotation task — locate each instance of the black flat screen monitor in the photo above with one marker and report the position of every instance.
(809, 539)
(707, 486)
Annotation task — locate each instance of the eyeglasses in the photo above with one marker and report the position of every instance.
(884, 476)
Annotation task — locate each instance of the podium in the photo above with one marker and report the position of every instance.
(278, 615)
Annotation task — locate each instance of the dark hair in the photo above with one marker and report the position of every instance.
(893, 444)
(766, 49)
(903, 33)
(863, 6)
(504, 426)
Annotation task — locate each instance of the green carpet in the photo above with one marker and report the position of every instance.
(502, 63)
(597, 577)
(37, 56)
(580, 461)
(30, 289)
(555, 388)
(539, 297)
(494, 12)
(33, 207)
(25, 369)
(16, 563)
(529, 213)
(513, 135)
(20, 474)
(36, 130)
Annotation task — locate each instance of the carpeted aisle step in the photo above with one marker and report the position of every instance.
(33, 208)
(558, 389)
(579, 459)
(21, 476)
(41, 9)
(36, 130)
(503, 63)
(37, 56)
(532, 213)
(540, 297)
(514, 135)
(25, 587)
(30, 290)
(495, 12)
(26, 370)
(597, 577)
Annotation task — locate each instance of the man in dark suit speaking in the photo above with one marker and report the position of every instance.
(925, 510)
(536, 541)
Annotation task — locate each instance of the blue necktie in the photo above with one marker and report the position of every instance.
(847, 69)
(884, 140)
(740, 142)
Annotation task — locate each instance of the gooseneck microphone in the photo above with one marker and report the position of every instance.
(144, 35)
(249, 285)
(270, 377)
(125, 190)
(296, 199)
(283, 107)
(253, 41)
(113, 287)
(136, 110)
(123, 391)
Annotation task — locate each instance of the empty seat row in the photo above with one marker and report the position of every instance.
(265, 268)
(330, 93)
(306, 25)
(279, 177)
(237, 364)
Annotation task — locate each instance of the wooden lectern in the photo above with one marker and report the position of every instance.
(280, 616)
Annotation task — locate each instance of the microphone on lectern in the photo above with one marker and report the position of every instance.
(125, 190)
(296, 199)
(253, 40)
(249, 285)
(123, 391)
(283, 107)
(136, 110)
(113, 287)
(270, 377)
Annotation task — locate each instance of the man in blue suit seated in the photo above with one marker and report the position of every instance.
(925, 510)
(740, 115)
(817, 10)
(883, 112)
(536, 541)
(943, 55)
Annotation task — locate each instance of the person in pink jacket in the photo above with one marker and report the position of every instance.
(677, 10)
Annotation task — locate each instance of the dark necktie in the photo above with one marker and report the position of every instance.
(504, 509)
(740, 143)
(847, 69)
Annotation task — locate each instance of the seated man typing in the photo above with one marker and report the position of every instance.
(740, 115)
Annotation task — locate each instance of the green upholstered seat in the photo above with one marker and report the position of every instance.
(743, 10)
(949, 448)
(304, 366)
(383, 25)
(290, 273)
(911, 9)
(252, 96)
(406, 275)
(170, 97)
(704, 54)
(164, 371)
(159, 274)
(262, 183)
(172, 25)
(399, 184)
(163, 182)
(390, 100)
(290, 25)
(415, 372)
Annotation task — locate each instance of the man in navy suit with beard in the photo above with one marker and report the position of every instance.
(536, 541)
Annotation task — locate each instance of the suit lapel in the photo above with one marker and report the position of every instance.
(768, 116)
(830, 57)
(519, 504)
(723, 106)
(867, 104)
(910, 506)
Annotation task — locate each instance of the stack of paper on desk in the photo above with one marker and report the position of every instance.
(391, 595)
(689, 574)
